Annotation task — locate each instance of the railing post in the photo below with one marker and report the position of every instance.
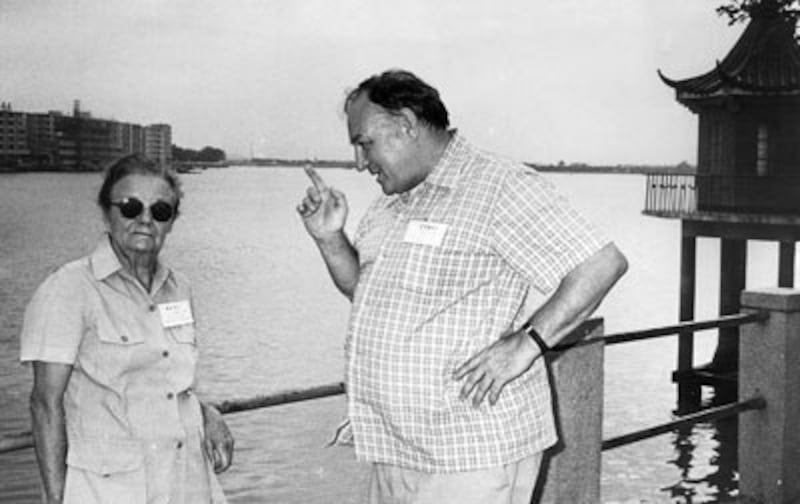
(571, 470)
(769, 439)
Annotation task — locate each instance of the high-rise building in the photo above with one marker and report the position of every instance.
(42, 141)
(86, 143)
(13, 140)
(130, 138)
(75, 142)
(158, 142)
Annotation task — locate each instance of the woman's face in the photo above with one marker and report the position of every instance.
(142, 233)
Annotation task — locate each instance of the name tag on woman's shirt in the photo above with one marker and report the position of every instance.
(425, 233)
(175, 314)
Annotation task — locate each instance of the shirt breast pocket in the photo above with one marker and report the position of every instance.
(183, 334)
(121, 335)
(108, 350)
(445, 273)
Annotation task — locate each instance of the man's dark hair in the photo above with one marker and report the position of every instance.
(397, 89)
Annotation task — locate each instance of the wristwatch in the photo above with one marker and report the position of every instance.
(535, 336)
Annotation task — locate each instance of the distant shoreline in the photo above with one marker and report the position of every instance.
(681, 169)
(196, 167)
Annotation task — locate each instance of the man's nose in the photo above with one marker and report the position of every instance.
(361, 160)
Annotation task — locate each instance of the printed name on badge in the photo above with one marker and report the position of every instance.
(425, 233)
(175, 314)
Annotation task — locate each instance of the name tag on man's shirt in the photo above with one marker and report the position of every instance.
(425, 233)
(175, 314)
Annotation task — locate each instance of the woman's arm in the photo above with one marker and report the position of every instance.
(49, 426)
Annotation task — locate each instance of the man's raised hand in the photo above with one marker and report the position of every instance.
(323, 209)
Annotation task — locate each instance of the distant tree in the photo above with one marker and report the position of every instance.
(181, 154)
(738, 11)
(206, 154)
(211, 154)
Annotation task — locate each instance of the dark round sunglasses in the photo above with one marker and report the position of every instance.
(130, 208)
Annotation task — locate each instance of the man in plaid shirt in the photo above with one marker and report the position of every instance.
(447, 395)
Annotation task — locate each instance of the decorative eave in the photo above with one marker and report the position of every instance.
(765, 61)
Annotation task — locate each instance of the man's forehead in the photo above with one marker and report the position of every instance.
(361, 113)
(361, 109)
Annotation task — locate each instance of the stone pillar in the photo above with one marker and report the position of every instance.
(571, 470)
(769, 439)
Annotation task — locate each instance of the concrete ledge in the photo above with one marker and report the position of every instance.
(772, 298)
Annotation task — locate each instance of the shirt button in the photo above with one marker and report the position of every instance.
(165, 353)
(170, 395)
(152, 307)
(123, 338)
(180, 444)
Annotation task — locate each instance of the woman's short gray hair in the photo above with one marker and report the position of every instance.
(136, 164)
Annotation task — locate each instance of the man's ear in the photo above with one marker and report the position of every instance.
(410, 122)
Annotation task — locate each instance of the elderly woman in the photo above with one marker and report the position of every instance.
(112, 341)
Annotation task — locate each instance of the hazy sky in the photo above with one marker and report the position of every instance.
(538, 80)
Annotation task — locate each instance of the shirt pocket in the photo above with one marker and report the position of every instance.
(106, 457)
(445, 273)
(119, 335)
(112, 471)
(183, 334)
(440, 278)
(106, 355)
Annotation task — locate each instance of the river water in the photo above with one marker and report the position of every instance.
(270, 319)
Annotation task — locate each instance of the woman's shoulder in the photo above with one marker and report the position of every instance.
(177, 281)
(180, 278)
(71, 273)
(64, 284)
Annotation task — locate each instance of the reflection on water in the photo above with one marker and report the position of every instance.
(715, 469)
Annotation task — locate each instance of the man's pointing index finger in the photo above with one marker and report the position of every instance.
(319, 183)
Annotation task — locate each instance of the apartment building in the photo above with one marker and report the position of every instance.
(13, 135)
(75, 142)
(41, 135)
(158, 142)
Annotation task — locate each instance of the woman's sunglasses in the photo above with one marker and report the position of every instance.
(130, 208)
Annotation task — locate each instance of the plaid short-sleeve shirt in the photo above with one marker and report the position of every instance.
(445, 270)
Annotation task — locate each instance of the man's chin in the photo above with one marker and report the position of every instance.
(385, 188)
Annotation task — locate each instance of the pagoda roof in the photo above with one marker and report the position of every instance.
(764, 61)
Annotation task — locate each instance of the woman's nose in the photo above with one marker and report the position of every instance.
(145, 217)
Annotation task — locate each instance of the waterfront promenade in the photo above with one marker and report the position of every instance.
(261, 290)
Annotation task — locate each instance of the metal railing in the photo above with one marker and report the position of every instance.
(717, 413)
(24, 440)
(670, 193)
